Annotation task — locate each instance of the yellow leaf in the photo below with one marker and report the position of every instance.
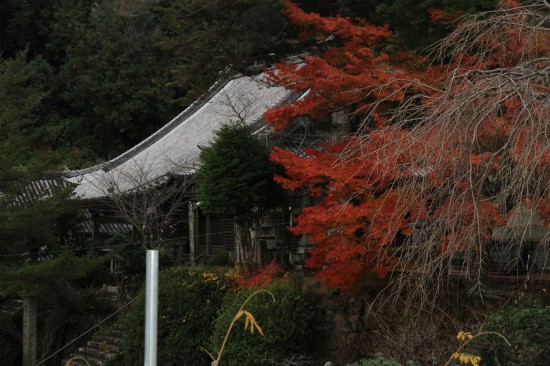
(250, 321)
(259, 329)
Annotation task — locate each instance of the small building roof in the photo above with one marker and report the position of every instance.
(175, 148)
(40, 189)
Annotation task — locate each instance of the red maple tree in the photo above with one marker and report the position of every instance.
(442, 151)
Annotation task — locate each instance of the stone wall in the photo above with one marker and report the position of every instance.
(343, 323)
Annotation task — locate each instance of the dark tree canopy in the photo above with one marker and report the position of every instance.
(210, 36)
(20, 100)
(115, 80)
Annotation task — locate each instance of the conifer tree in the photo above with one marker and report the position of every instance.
(236, 179)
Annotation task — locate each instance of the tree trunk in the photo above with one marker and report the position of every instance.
(255, 249)
(242, 243)
(246, 244)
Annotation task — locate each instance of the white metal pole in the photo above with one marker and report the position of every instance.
(151, 307)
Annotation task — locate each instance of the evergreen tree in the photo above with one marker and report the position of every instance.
(20, 99)
(23, 23)
(115, 79)
(236, 179)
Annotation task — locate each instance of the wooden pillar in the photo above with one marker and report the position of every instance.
(255, 246)
(95, 226)
(193, 231)
(29, 331)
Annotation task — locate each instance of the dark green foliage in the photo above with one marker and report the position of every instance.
(37, 279)
(528, 330)
(47, 223)
(19, 101)
(23, 23)
(288, 324)
(67, 19)
(189, 298)
(209, 36)
(129, 63)
(236, 175)
(116, 78)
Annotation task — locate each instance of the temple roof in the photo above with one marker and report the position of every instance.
(175, 148)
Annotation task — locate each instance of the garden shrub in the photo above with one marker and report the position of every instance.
(527, 329)
(288, 324)
(189, 298)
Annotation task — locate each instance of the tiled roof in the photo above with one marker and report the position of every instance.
(175, 148)
(86, 226)
(43, 188)
(39, 189)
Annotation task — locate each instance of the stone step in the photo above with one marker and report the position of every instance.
(73, 363)
(111, 332)
(117, 327)
(108, 339)
(104, 346)
(95, 352)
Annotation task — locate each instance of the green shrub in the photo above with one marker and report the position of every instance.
(189, 298)
(527, 329)
(287, 324)
(379, 361)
